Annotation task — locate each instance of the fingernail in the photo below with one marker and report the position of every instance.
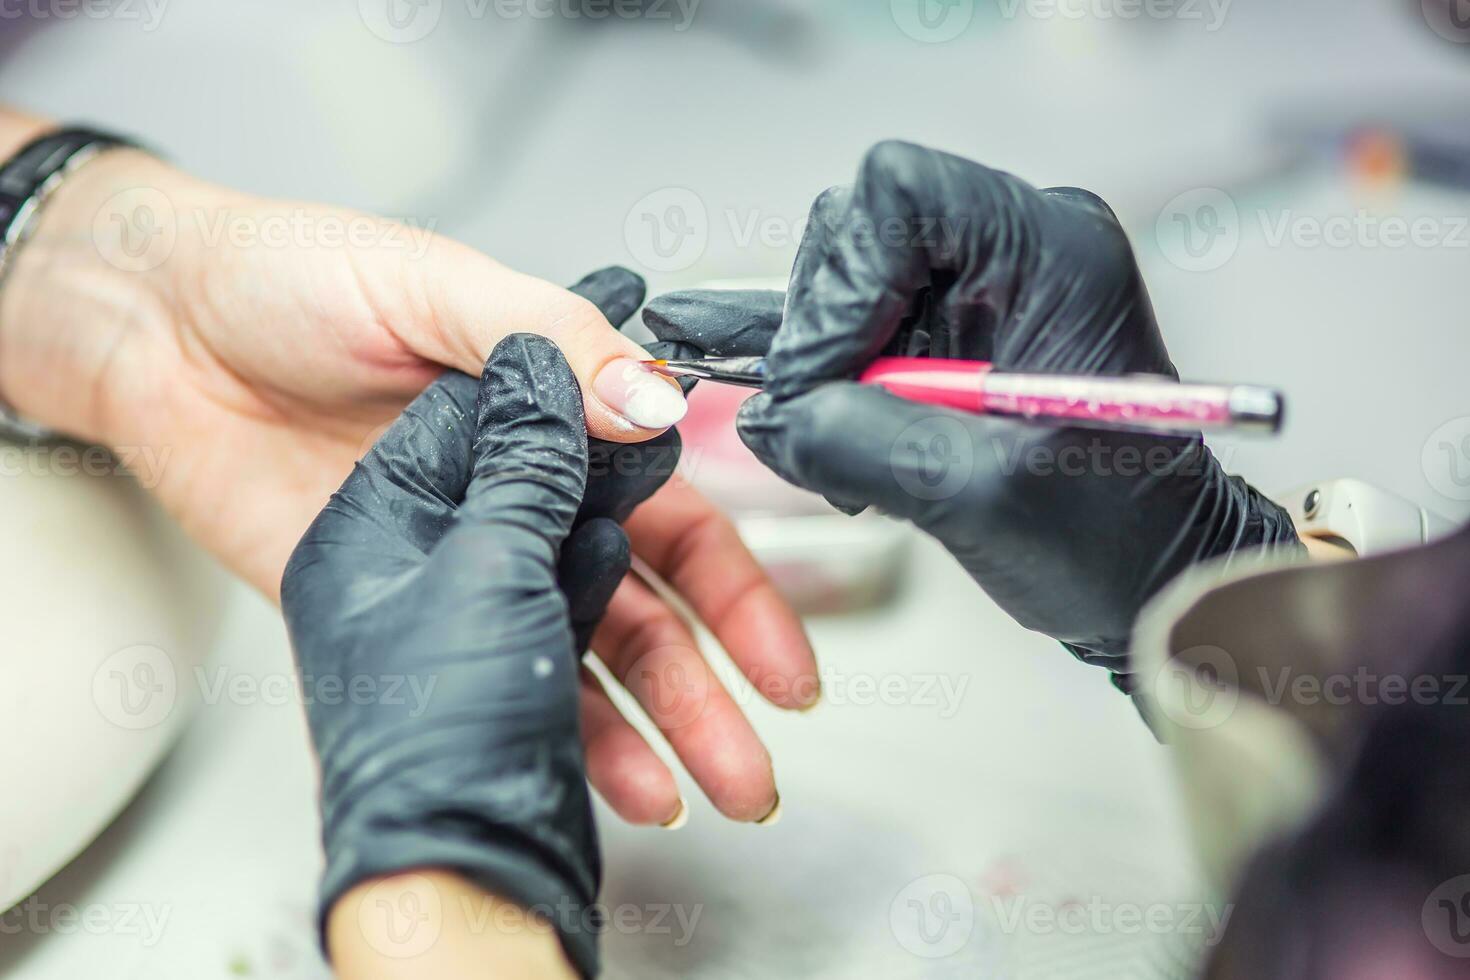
(646, 399)
(809, 695)
(679, 819)
(773, 817)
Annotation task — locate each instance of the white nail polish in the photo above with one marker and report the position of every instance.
(642, 397)
(655, 404)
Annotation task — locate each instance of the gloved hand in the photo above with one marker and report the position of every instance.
(1069, 530)
(463, 561)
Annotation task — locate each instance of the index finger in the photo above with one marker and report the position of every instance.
(716, 322)
(869, 253)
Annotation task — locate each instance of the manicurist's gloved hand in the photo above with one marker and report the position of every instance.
(241, 354)
(457, 565)
(1069, 530)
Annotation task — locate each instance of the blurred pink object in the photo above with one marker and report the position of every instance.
(820, 559)
(1145, 401)
(718, 463)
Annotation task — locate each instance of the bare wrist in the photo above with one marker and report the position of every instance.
(18, 129)
(97, 267)
(1323, 548)
(458, 931)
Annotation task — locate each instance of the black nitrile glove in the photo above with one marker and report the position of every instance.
(1070, 530)
(620, 476)
(461, 568)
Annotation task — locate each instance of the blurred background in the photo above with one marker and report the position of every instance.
(1296, 180)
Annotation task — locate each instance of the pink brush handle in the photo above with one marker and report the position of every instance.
(1141, 401)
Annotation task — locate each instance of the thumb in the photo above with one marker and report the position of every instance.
(474, 303)
(861, 445)
(530, 451)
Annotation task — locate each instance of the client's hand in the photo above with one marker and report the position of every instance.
(242, 353)
(454, 557)
(256, 346)
(1069, 530)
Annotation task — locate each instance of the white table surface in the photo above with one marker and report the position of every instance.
(1042, 783)
(1029, 770)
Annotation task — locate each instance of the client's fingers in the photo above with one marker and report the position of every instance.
(615, 291)
(653, 654)
(471, 303)
(696, 549)
(621, 766)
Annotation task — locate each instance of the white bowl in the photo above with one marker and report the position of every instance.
(108, 609)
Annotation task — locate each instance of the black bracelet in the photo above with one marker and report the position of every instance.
(26, 180)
